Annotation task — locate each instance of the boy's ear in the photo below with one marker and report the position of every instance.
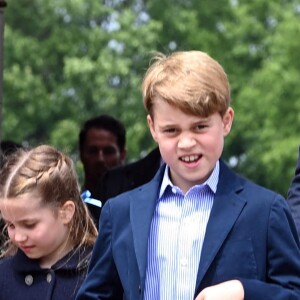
(151, 127)
(227, 120)
(66, 212)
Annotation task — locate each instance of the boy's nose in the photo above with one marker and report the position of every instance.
(186, 142)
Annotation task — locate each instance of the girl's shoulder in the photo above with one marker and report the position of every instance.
(6, 270)
(6, 262)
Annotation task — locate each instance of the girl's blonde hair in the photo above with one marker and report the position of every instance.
(51, 174)
(190, 80)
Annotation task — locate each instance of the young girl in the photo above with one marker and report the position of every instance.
(50, 232)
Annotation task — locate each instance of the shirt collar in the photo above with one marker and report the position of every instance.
(212, 180)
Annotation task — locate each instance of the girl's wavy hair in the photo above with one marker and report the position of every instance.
(51, 174)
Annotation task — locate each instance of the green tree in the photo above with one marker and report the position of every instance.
(268, 107)
(257, 43)
(71, 61)
(66, 61)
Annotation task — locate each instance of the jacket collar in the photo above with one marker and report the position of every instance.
(227, 203)
(142, 205)
(74, 260)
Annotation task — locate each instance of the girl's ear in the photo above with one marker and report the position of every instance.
(67, 211)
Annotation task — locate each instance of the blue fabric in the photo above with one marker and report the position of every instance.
(176, 238)
(60, 282)
(250, 236)
(86, 197)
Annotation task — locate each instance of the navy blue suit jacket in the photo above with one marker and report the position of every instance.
(250, 236)
(294, 196)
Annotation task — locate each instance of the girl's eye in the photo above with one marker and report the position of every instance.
(30, 225)
(10, 226)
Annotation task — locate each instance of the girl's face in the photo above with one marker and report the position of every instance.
(41, 232)
(189, 144)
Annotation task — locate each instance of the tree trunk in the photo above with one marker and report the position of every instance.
(2, 7)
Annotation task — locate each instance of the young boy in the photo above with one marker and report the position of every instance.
(197, 230)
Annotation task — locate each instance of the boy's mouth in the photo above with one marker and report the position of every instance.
(190, 158)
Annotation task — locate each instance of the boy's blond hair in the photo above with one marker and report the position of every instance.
(190, 80)
(51, 175)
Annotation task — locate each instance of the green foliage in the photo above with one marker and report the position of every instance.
(66, 61)
(266, 129)
(71, 61)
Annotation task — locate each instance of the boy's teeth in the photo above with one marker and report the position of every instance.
(190, 158)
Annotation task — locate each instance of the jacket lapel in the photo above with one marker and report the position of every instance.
(227, 207)
(142, 206)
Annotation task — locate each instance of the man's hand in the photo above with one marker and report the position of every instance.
(228, 290)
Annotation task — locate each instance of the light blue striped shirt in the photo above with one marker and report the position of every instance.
(176, 238)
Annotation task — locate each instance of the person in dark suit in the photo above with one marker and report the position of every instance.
(293, 197)
(102, 146)
(197, 230)
(124, 178)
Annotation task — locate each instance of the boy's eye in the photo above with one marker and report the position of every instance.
(201, 126)
(170, 130)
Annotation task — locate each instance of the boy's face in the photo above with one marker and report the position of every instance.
(189, 144)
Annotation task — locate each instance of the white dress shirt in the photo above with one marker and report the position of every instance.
(176, 238)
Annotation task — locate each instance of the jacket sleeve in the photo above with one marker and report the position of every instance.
(283, 259)
(102, 281)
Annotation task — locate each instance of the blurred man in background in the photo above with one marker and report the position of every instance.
(102, 143)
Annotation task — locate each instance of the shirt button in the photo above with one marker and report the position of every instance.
(183, 262)
(174, 190)
(49, 277)
(29, 279)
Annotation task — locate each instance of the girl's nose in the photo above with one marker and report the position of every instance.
(20, 236)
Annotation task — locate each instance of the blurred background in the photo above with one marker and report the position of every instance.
(65, 61)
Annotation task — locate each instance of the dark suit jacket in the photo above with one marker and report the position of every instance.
(294, 196)
(121, 179)
(124, 178)
(250, 236)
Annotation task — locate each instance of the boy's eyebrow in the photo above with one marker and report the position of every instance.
(202, 120)
(167, 125)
